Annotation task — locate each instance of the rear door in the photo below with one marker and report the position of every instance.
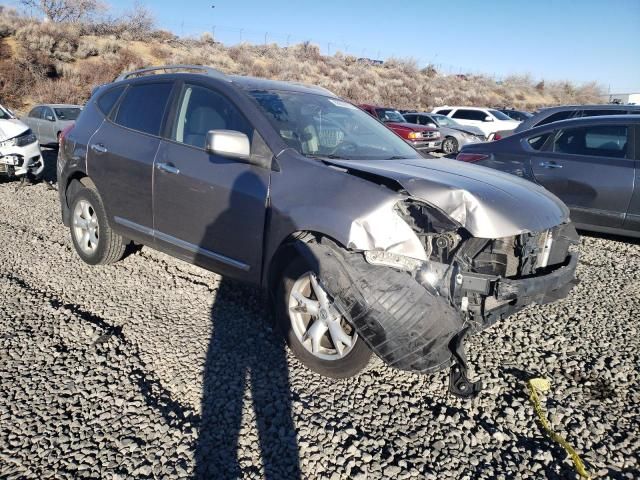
(121, 154)
(208, 209)
(33, 121)
(632, 220)
(591, 169)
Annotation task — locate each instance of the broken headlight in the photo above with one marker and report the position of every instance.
(26, 138)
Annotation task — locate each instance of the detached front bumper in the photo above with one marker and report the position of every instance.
(18, 161)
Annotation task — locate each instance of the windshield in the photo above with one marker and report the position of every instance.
(499, 115)
(445, 121)
(4, 114)
(67, 113)
(318, 126)
(388, 115)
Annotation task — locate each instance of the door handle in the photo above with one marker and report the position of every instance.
(99, 148)
(167, 167)
(550, 165)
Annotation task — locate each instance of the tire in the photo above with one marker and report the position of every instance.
(348, 365)
(109, 247)
(450, 146)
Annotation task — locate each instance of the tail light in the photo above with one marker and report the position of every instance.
(497, 136)
(471, 157)
(63, 134)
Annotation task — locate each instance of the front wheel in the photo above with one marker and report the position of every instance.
(450, 145)
(316, 332)
(94, 240)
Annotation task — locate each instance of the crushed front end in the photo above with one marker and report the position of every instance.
(415, 313)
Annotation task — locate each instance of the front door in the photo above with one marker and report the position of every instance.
(590, 169)
(208, 209)
(47, 129)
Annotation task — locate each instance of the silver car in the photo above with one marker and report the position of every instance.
(454, 135)
(48, 121)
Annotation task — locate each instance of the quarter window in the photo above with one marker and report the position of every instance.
(202, 110)
(444, 112)
(538, 141)
(143, 107)
(36, 113)
(109, 99)
(599, 141)
(463, 114)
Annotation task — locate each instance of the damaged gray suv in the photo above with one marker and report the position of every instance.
(364, 245)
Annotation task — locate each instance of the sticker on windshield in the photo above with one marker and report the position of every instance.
(339, 103)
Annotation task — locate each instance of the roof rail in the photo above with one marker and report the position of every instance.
(212, 72)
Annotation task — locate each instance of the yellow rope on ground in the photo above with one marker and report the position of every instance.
(544, 385)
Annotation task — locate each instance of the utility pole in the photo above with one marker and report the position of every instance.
(288, 38)
(213, 33)
(241, 34)
(329, 49)
(265, 38)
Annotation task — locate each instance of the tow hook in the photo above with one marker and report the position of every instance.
(459, 384)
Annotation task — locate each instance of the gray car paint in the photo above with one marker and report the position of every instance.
(602, 193)
(47, 130)
(297, 194)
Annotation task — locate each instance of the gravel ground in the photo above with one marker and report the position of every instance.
(155, 368)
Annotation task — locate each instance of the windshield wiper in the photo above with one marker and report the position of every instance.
(396, 157)
(330, 156)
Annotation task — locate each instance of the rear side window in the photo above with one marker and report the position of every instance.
(411, 118)
(201, 110)
(556, 117)
(108, 99)
(595, 113)
(143, 107)
(538, 141)
(599, 141)
(444, 112)
(463, 114)
(36, 113)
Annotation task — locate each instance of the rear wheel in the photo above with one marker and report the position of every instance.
(317, 333)
(94, 240)
(450, 145)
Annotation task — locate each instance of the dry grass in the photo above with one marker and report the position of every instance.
(62, 63)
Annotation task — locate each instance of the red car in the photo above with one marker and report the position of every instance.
(423, 138)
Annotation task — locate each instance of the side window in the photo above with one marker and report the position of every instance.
(538, 141)
(599, 141)
(143, 107)
(596, 113)
(36, 112)
(443, 112)
(48, 114)
(108, 99)
(412, 118)
(202, 109)
(469, 114)
(555, 117)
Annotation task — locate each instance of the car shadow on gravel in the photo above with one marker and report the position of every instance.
(246, 363)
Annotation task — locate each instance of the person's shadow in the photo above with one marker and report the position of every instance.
(244, 351)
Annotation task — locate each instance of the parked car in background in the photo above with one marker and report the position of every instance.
(425, 139)
(364, 245)
(518, 115)
(48, 121)
(592, 164)
(19, 149)
(453, 134)
(566, 112)
(488, 120)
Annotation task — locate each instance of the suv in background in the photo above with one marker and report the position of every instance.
(567, 112)
(488, 120)
(363, 244)
(423, 138)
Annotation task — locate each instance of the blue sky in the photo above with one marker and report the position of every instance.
(578, 40)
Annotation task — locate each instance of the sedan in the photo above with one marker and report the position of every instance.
(48, 121)
(454, 135)
(592, 164)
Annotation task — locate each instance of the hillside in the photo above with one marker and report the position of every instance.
(47, 62)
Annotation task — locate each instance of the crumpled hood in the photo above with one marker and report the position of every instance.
(11, 128)
(488, 203)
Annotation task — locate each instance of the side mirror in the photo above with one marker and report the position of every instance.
(228, 143)
(50, 118)
(432, 125)
(488, 119)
